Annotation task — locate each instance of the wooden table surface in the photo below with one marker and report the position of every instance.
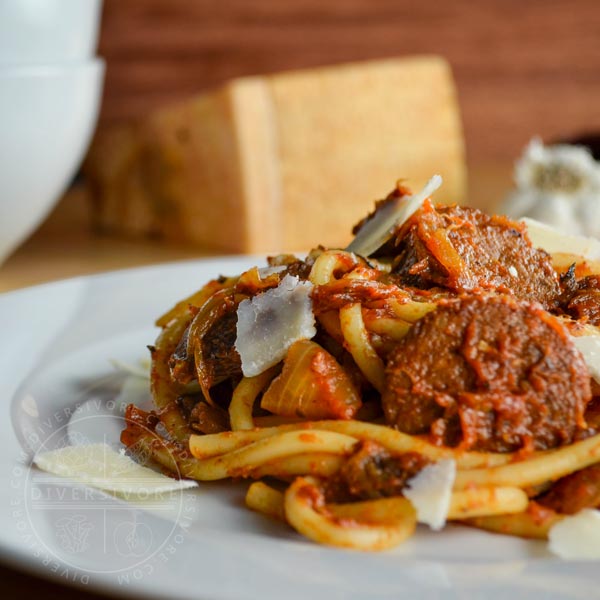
(64, 246)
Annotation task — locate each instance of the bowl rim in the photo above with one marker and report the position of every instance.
(50, 69)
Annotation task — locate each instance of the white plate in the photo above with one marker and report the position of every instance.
(57, 341)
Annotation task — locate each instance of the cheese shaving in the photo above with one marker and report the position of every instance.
(380, 228)
(268, 324)
(576, 537)
(589, 346)
(553, 241)
(430, 492)
(99, 466)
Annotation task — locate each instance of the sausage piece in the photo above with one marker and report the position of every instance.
(488, 373)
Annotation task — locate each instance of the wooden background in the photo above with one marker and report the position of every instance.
(523, 67)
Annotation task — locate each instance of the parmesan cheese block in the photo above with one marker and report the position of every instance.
(280, 162)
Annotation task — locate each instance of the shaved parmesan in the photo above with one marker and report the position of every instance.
(380, 228)
(268, 324)
(98, 465)
(576, 537)
(589, 346)
(430, 492)
(553, 241)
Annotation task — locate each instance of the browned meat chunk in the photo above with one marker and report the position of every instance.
(181, 362)
(218, 349)
(583, 301)
(463, 249)
(219, 355)
(203, 417)
(209, 419)
(488, 373)
(372, 472)
(574, 492)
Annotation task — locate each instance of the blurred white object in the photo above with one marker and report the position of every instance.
(558, 185)
(47, 117)
(48, 31)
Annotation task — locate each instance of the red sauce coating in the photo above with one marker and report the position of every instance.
(335, 295)
(488, 373)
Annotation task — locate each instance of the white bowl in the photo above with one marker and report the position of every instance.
(47, 117)
(48, 31)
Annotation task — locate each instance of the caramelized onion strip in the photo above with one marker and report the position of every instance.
(211, 311)
(165, 391)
